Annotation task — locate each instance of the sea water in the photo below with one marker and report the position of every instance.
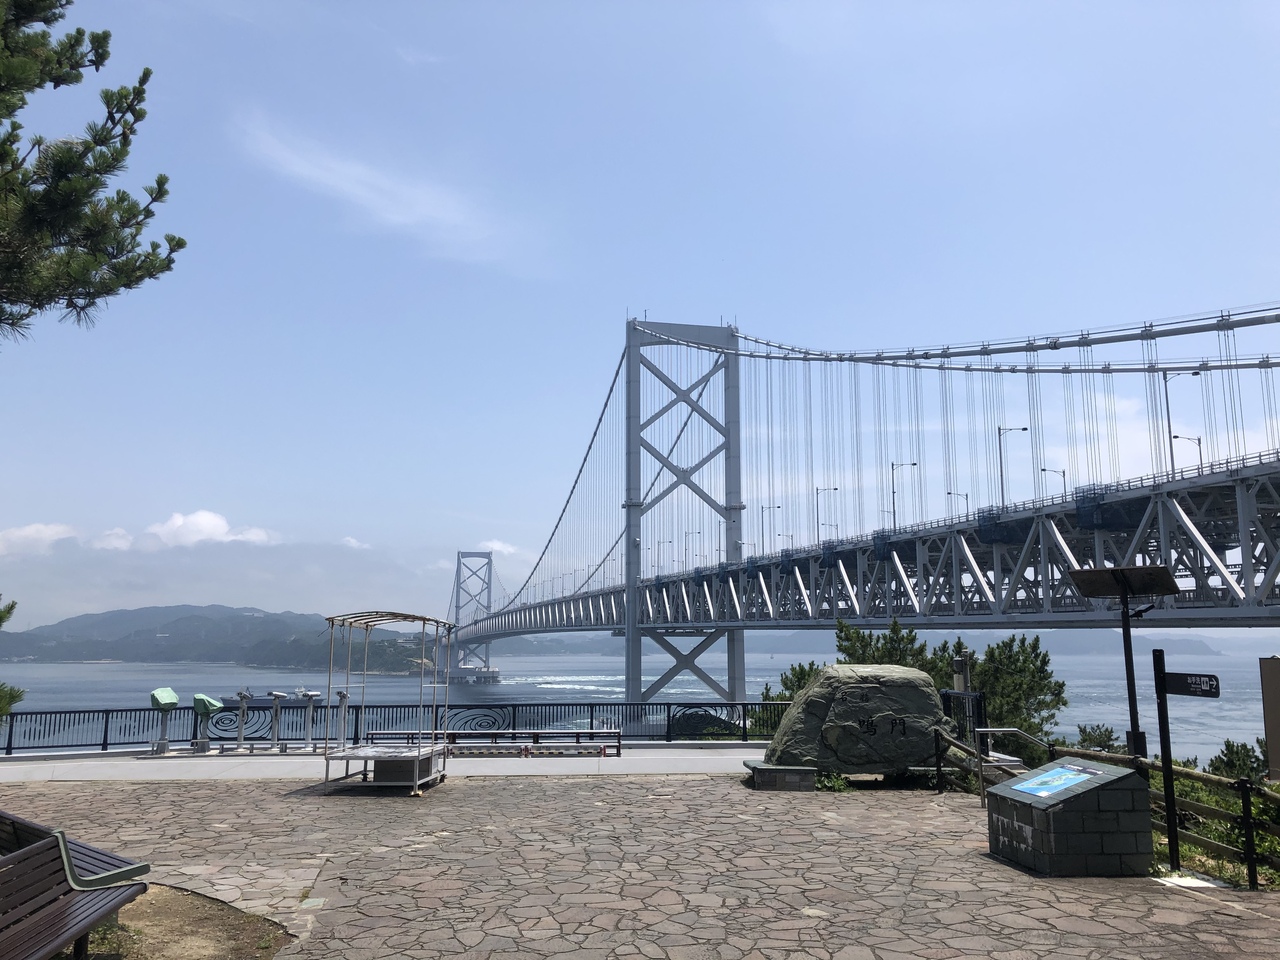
(1095, 688)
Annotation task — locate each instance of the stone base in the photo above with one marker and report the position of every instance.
(765, 776)
(1098, 827)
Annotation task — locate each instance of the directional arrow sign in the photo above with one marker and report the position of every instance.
(1193, 685)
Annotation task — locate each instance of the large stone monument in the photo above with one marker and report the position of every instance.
(860, 718)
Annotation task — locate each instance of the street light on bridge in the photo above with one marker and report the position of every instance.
(1000, 432)
(1199, 449)
(763, 508)
(951, 493)
(1062, 474)
(687, 535)
(893, 489)
(817, 515)
(1168, 415)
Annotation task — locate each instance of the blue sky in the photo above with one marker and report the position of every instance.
(415, 231)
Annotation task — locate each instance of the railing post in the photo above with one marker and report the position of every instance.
(355, 734)
(668, 723)
(743, 708)
(1250, 840)
(106, 729)
(591, 716)
(8, 740)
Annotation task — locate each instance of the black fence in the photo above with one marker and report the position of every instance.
(67, 730)
(968, 711)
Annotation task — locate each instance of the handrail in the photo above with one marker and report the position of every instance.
(984, 762)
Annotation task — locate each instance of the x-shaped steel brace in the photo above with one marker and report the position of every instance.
(685, 661)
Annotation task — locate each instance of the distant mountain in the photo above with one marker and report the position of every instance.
(187, 633)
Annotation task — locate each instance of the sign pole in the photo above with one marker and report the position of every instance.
(1136, 741)
(1166, 759)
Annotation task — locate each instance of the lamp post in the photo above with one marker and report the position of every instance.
(893, 489)
(1000, 432)
(763, 508)
(817, 515)
(1062, 474)
(746, 543)
(1166, 376)
(687, 535)
(966, 501)
(672, 544)
(835, 527)
(791, 538)
(1199, 449)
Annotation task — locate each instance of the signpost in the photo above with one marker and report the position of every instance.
(1182, 685)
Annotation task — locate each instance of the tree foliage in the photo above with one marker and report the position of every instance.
(1014, 674)
(67, 241)
(1239, 761)
(797, 677)
(1097, 736)
(9, 694)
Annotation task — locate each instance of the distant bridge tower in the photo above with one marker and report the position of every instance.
(472, 599)
(681, 468)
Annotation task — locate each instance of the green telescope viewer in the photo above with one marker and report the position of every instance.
(163, 698)
(205, 706)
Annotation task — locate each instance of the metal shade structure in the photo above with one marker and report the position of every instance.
(1122, 583)
(414, 757)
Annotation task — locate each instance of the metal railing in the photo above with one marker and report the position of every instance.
(108, 729)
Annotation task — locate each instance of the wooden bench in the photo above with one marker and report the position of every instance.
(42, 907)
(89, 866)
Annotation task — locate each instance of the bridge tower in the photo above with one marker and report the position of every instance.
(472, 599)
(689, 401)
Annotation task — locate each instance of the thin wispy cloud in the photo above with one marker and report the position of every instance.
(449, 224)
(33, 538)
(353, 543)
(498, 546)
(117, 538)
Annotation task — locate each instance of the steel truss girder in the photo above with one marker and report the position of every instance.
(1219, 534)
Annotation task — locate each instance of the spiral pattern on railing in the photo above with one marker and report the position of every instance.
(480, 719)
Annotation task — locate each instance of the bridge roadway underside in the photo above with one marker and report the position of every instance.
(1219, 533)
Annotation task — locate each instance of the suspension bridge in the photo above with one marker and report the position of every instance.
(736, 483)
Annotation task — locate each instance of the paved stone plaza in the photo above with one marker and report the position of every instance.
(657, 866)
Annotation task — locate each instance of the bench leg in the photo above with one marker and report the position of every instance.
(81, 949)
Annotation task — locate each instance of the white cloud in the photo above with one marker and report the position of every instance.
(184, 530)
(353, 543)
(497, 546)
(34, 537)
(451, 225)
(117, 538)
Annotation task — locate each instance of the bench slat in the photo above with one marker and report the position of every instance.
(44, 934)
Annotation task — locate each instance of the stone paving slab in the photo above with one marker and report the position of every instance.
(672, 868)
